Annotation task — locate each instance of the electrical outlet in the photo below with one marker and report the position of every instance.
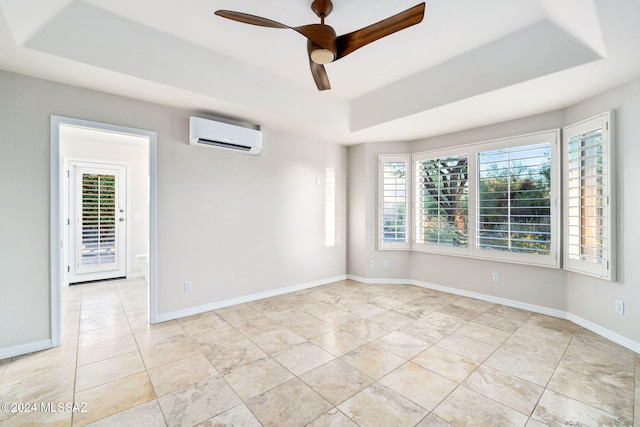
(496, 277)
(372, 263)
(318, 265)
(619, 307)
(385, 263)
(187, 286)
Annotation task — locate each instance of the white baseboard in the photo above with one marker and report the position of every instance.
(604, 332)
(379, 281)
(593, 327)
(163, 317)
(496, 300)
(25, 348)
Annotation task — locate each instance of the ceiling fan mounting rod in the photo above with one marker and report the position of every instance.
(322, 8)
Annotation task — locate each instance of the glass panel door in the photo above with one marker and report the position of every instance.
(98, 223)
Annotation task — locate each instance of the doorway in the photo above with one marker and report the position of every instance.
(103, 207)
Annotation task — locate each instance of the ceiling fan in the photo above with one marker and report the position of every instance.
(323, 45)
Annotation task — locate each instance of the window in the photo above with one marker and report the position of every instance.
(499, 199)
(493, 200)
(588, 193)
(98, 221)
(394, 202)
(514, 199)
(442, 200)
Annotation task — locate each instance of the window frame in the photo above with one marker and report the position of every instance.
(394, 158)
(553, 259)
(419, 246)
(472, 151)
(606, 270)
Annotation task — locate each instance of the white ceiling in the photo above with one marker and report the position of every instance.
(468, 64)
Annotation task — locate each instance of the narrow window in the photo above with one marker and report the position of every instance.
(588, 217)
(394, 202)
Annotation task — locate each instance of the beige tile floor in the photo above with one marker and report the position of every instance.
(343, 354)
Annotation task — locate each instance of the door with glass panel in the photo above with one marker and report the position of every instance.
(97, 221)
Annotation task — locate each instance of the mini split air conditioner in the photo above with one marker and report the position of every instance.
(211, 133)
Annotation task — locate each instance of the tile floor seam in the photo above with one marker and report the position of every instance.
(298, 377)
(546, 388)
(462, 383)
(580, 401)
(162, 410)
(246, 404)
(138, 352)
(504, 404)
(77, 351)
(551, 376)
(584, 403)
(241, 399)
(337, 404)
(75, 376)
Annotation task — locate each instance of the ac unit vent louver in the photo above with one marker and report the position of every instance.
(211, 133)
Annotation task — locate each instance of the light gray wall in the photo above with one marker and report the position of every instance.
(236, 225)
(232, 224)
(398, 261)
(587, 300)
(357, 193)
(24, 212)
(594, 299)
(363, 214)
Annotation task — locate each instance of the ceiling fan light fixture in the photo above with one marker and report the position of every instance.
(322, 56)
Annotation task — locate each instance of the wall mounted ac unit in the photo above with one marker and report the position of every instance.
(212, 133)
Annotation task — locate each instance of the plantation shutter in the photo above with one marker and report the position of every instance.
(589, 225)
(394, 202)
(514, 199)
(98, 221)
(442, 210)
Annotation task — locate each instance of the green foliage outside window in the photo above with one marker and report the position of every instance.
(444, 201)
(514, 200)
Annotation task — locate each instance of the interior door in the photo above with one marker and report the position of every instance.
(97, 222)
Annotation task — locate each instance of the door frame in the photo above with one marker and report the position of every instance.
(56, 227)
(68, 243)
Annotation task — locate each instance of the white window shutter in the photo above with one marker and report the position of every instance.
(589, 197)
(394, 217)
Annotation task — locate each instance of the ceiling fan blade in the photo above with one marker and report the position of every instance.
(347, 43)
(319, 76)
(320, 34)
(249, 19)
